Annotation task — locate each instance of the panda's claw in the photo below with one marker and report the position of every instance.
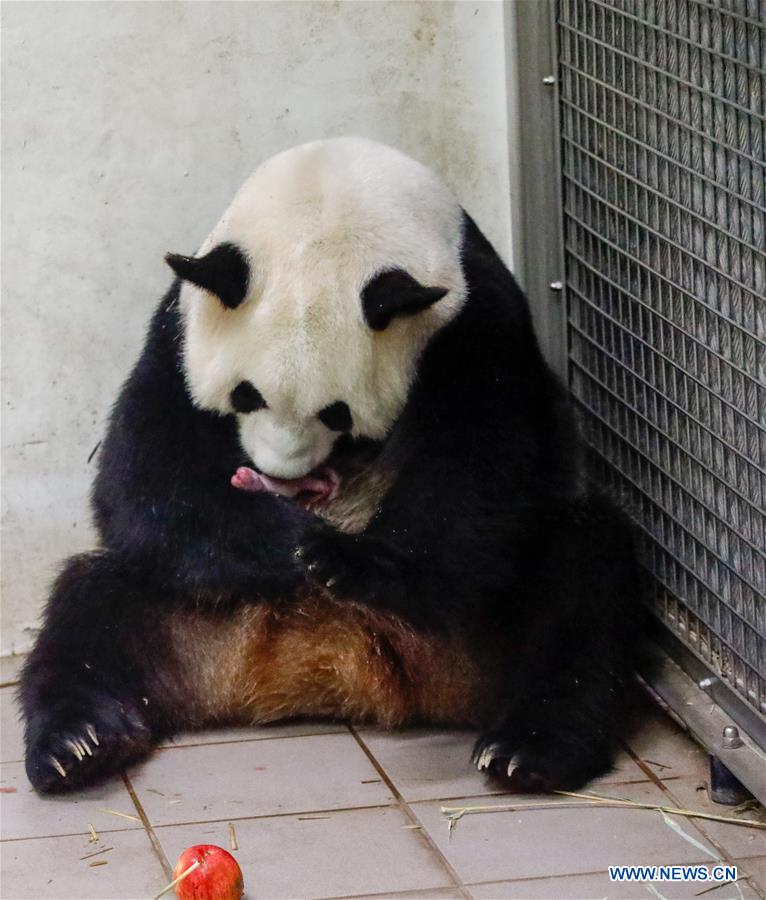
(484, 753)
(490, 752)
(86, 746)
(92, 734)
(75, 748)
(57, 766)
(513, 764)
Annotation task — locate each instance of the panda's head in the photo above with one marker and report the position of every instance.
(306, 309)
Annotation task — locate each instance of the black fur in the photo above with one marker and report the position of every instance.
(396, 293)
(336, 416)
(224, 271)
(488, 530)
(246, 398)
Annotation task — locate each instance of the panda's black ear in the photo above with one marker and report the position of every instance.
(223, 271)
(396, 293)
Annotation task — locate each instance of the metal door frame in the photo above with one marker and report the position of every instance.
(678, 678)
(534, 151)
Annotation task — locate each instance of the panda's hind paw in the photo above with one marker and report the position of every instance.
(68, 754)
(537, 765)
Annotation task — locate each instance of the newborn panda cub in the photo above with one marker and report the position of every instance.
(340, 482)
(312, 490)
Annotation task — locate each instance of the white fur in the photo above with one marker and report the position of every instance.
(317, 222)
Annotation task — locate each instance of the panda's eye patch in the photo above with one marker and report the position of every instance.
(245, 398)
(336, 416)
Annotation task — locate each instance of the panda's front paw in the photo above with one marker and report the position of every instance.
(75, 747)
(353, 566)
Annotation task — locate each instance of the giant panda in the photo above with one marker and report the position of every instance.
(341, 482)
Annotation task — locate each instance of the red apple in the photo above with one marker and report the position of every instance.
(217, 875)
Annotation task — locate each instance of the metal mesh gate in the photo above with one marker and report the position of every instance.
(662, 112)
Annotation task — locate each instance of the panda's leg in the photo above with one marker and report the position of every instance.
(88, 692)
(560, 736)
(558, 731)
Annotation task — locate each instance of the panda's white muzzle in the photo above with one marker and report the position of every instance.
(282, 449)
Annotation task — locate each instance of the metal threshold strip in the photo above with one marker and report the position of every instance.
(705, 705)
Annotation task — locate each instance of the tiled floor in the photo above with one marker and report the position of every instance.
(328, 811)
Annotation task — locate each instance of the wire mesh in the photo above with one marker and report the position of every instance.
(663, 127)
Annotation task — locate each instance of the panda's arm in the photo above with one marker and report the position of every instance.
(242, 547)
(163, 498)
(460, 520)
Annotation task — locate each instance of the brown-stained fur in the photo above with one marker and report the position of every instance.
(358, 498)
(320, 656)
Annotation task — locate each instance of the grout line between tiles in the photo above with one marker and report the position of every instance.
(278, 815)
(153, 839)
(48, 837)
(269, 815)
(247, 740)
(537, 878)
(498, 794)
(410, 814)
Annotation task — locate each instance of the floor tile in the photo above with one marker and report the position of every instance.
(11, 731)
(256, 778)
(737, 840)
(557, 841)
(666, 748)
(347, 853)
(274, 772)
(598, 886)
(26, 815)
(625, 770)
(756, 869)
(53, 868)
(10, 668)
(426, 765)
(255, 733)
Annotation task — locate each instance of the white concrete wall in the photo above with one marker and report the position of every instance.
(127, 127)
